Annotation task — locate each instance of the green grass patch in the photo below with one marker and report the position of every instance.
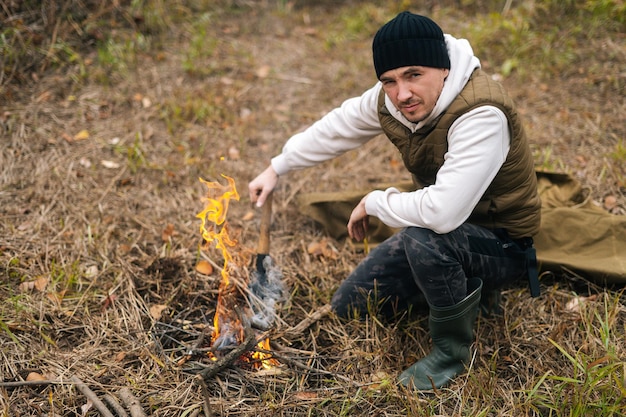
(526, 40)
(594, 383)
(546, 160)
(195, 108)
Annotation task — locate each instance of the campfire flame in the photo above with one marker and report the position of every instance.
(228, 328)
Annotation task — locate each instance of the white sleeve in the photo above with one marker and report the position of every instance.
(478, 144)
(347, 127)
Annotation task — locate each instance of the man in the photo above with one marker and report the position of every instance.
(467, 228)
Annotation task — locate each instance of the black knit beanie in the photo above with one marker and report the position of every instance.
(409, 39)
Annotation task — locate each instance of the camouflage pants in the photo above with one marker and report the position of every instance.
(417, 267)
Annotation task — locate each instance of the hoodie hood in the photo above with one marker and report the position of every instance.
(463, 63)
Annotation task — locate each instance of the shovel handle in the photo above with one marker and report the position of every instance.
(264, 232)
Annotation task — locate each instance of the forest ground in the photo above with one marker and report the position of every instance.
(100, 163)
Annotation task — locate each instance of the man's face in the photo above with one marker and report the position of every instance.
(414, 90)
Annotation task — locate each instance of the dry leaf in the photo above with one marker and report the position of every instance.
(305, 395)
(380, 376)
(41, 283)
(25, 226)
(108, 302)
(110, 164)
(85, 162)
(43, 97)
(82, 135)
(148, 133)
(91, 271)
(245, 113)
(124, 248)
(120, 357)
(263, 71)
(204, 267)
(233, 153)
(34, 376)
(26, 286)
(314, 248)
(86, 407)
(168, 233)
(380, 380)
(322, 248)
(575, 303)
(56, 297)
(156, 311)
(395, 164)
(123, 182)
(610, 202)
(248, 216)
(274, 370)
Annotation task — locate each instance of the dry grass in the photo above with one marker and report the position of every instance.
(87, 221)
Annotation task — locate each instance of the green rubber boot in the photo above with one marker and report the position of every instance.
(452, 332)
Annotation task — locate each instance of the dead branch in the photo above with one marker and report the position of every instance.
(206, 396)
(133, 404)
(299, 365)
(195, 349)
(116, 406)
(15, 384)
(87, 392)
(216, 367)
(299, 328)
(222, 363)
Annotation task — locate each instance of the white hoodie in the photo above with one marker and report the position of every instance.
(478, 143)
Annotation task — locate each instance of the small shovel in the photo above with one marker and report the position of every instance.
(266, 286)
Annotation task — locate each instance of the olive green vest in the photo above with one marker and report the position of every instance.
(511, 202)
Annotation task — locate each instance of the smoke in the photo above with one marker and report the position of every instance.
(227, 338)
(266, 289)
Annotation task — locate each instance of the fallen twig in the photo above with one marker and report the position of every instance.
(87, 392)
(116, 406)
(296, 364)
(205, 396)
(299, 328)
(195, 349)
(214, 368)
(16, 384)
(133, 404)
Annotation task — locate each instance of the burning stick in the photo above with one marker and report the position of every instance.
(227, 329)
(230, 321)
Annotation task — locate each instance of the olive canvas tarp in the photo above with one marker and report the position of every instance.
(576, 235)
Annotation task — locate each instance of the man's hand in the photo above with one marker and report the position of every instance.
(359, 221)
(260, 187)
